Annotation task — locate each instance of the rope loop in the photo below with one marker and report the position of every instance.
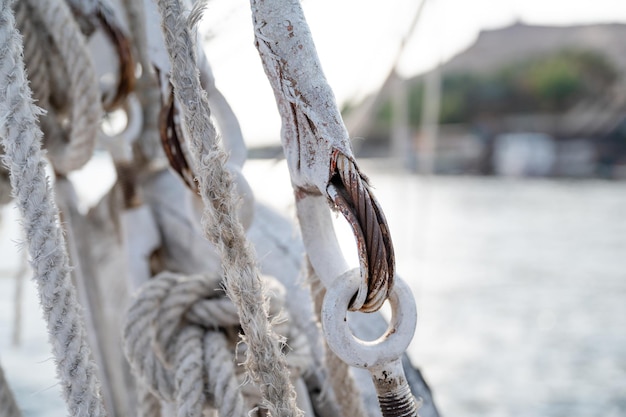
(63, 76)
(21, 140)
(350, 192)
(72, 84)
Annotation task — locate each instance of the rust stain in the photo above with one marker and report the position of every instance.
(126, 83)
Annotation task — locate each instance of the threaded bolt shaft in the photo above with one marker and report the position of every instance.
(399, 403)
(394, 394)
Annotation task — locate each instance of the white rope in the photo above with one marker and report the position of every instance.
(84, 95)
(174, 342)
(164, 343)
(8, 405)
(190, 396)
(148, 405)
(22, 142)
(264, 362)
(45, 72)
(35, 43)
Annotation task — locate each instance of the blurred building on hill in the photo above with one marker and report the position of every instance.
(565, 85)
(496, 48)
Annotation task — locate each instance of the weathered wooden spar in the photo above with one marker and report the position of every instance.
(173, 242)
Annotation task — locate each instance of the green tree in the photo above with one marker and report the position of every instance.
(545, 83)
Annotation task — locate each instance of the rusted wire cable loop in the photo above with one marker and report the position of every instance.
(172, 139)
(126, 82)
(105, 18)
(350, 192)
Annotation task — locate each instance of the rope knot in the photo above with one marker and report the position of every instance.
(181, 338)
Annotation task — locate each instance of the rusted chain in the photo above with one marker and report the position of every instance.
(351, 194)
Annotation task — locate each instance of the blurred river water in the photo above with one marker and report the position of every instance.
(520, 288)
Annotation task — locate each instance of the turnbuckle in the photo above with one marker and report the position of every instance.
(382, 357)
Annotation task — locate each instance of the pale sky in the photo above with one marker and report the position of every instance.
(357, 39)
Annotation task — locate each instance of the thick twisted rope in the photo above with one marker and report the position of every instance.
(190, 396)
(35, 43)
(172, 332)
(8, 405)
(84, 95)
(148, 405)
(180, 336)
(22, 143)
(219, 362)
(265, 362)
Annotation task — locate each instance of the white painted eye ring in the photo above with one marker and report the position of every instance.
(356, 352)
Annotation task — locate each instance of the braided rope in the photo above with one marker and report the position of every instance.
(8, 405)
(46, 245)
(86, 109)
(265, 362)
(138, 342)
